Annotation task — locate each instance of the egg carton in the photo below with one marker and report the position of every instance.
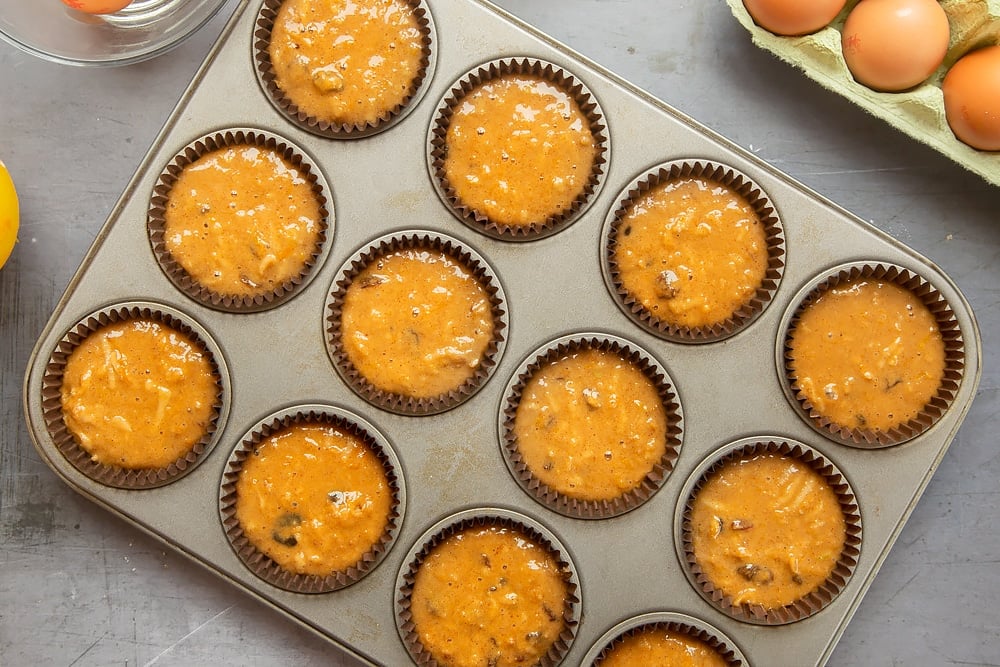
(453, 462)
(918, 112)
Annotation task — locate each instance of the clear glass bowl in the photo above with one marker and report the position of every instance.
(144, 29)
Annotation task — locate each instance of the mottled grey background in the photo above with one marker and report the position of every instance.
(80, 587)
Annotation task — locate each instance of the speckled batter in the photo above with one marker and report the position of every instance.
(488, 596)
(416, 323)
(519, 150)
(313, 498)
(767, 530)
(868, 355)
(242, 220)
(349, 62)
(590, 425)
(658, 647)
(138, 394)
(691, 251)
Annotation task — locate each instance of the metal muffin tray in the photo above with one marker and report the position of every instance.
(276, 358)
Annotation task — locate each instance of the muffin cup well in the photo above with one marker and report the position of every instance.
(408, 240)
(812, 602)
(325, 127)
(740, 184)
(260, 564)
(951, 335)
(668, 622)
(482, 517)
(553, 499)
(161, 196)
(437, 148)
(66, 443)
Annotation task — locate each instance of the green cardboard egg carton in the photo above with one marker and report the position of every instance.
(918, 112)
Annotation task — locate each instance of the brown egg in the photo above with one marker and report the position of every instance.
(97, 6)
(972, 98)
(893, 45)
(793, 17)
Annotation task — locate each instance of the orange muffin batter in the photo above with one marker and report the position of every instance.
(691, 251)
(242, 220)
(767, 530)
(519, 150)
(138, 394)
(590, 425)
(347, 62)
(653, 646)
(313, 498)
(867, 354)
(488, 596)
(416, 323)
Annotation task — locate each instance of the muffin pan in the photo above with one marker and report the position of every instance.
(452, 461)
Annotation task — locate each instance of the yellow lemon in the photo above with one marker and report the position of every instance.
(8, 214)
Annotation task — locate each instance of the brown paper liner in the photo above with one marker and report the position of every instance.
(438, 148)
(161, 196)
(478, 518)
(951, 335)
(66, 443)
(812, 602)
(400, 403)
(326, 127)
(654, 479)
(666, 622)
(259, 563)
(740, 184)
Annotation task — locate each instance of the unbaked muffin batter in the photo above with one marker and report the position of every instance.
(416, 323)
(658, 647)
(488, 596)
(590, 425)
(242, 220)
(313, 498)
(867, 355)
(519, 150)
(691, 251)
(767, 530)
(138, 394)
(347, 62)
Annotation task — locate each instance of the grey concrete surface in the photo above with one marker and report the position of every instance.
(79, 587)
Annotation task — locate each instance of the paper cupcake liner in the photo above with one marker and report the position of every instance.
(384, 245)
(812, 602)
(477, 518)
(437, 147)
(259, 563)
(553, 499)
(951, 335)
(325, 127)
(741, 185)
(186, 283)
(666, 622)
(66, 443)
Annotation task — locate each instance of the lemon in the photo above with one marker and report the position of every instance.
(8, 214)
